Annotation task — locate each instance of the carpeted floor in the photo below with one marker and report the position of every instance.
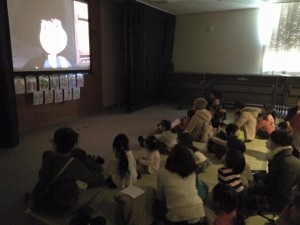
(20, 165)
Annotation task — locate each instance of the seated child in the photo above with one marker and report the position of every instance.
(201, 161)
(218, 144)
(166, 136)
(151, 162)
(246, 175)
(121, 170)
(225, 201)
(219, 112)
(184, 121)
(264, 126)
(230, 174)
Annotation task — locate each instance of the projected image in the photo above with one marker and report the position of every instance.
(82, 33)
(49, 35)
(54, 39)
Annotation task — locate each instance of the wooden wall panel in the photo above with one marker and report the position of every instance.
(250, 89)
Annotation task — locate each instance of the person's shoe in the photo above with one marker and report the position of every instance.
(141, 141)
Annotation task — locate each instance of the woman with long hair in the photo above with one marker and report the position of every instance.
(121, 171)
(176, 189)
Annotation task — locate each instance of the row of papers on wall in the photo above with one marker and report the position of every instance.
(48, 89)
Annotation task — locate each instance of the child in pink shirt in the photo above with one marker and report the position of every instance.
(265, 126)
(150, 163)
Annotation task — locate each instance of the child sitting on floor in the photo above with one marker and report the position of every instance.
(230, 174)
(219, 112)
(184, 121)
(225, 201)
(218, 144)
(246, 175)
(121, 170)
(264, 126)
(166, 136)
(201, 161)
(151, 162)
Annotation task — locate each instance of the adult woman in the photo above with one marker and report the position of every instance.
(272, 192)
(246, 121)
(200, 159)
(65, 183)
(176, 186)
(200, 126)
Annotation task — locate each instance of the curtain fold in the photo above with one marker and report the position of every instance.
(149, 35)
(9, 136)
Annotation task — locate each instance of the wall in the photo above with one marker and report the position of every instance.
(101, 86)
(251, 89)
(218, 42)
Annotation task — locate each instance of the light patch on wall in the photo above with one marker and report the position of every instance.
(268, 16)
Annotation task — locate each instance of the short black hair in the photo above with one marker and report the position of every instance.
(235, 160)
(180, 161)
(152, 143)
(65, 139)
(166, 124)
(231, 128)
(268, 108)
(238, 105)
(281, 138)
(190, 113)
(186, 140)
(225, 198)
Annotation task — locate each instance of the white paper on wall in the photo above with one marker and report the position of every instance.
(54, 82)
(76, 93)
(48, 96)
(31, 84)
(58, 95)
(19, 85)
(38, 97)
(80, 80)
(44, 83)
(63, 81)
(68, 94)
(72, 80)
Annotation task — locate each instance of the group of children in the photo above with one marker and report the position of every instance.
(235, 174)
(230, 197)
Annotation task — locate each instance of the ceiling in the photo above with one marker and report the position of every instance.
(181, 7)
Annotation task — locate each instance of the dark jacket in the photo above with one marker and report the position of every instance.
(65, 187)
(284, 169)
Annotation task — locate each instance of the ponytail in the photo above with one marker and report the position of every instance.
(121, 146)
(123, 164)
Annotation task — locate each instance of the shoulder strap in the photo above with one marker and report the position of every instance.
(55, 178)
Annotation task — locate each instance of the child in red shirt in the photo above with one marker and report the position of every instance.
(225, 200)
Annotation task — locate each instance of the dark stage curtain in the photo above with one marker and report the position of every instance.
(149, 37)
(9, 136)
